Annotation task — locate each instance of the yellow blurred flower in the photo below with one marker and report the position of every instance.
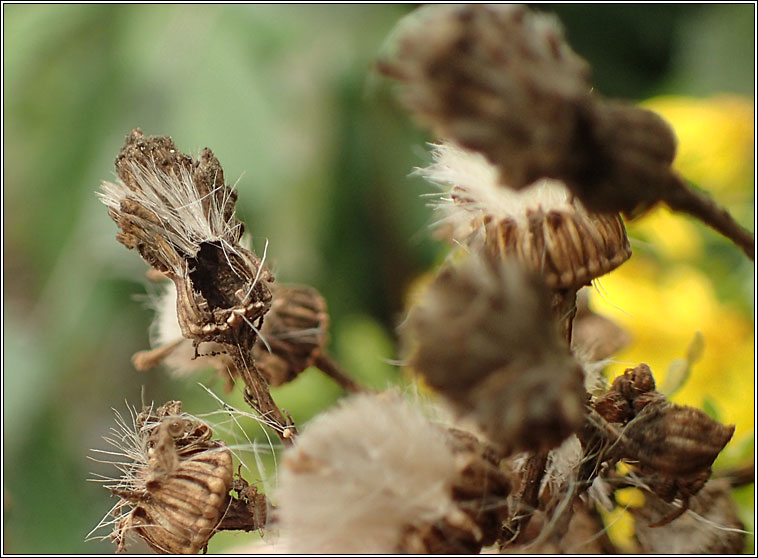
(716, 141)
(662, 309)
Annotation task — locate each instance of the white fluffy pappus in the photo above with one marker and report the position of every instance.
(165, 332)
(361, 474)
(470, 189)
(185, 218)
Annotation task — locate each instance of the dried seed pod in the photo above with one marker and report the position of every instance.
(716, 529)
(176, 488)
(295, 332)
(544, 227)
(483, 336)
(178, 213)
(499, 79)
(673, 440)
(379, 462)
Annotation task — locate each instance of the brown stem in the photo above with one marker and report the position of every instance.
(325, 363)
(563, 304)
(257, 395)
(528, 497)
(682, 197)
(739, 476)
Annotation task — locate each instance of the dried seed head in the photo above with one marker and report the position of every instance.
(674, 440)
(176, 483)
(631, 152)
(178, 213)
(713, 527)
(483, 335)
(293, 335)
(499, 79)
(377, 461)
(295, 331)
(542, 226)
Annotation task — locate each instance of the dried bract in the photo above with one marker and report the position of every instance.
(179, 214)
(483, 336)
(544, 227)
(175, 489)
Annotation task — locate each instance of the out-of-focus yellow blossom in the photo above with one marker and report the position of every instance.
(630, 497)
(671, 235)
(619, 524)
(716, 141)
(662, 308)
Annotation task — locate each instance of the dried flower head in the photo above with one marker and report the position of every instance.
(542, 226)
(483, 335)
(499, 79)
(712, 527)
(293, 337)
(174, 488)
(371, 476)
(179, 214)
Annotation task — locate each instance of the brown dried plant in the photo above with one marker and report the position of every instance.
(534, 171)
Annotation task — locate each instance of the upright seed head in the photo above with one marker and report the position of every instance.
(179, 214)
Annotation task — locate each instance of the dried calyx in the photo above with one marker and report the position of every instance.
(483, 336)
(179, 214)
(543, 226)
(502, 80)
(175, 489)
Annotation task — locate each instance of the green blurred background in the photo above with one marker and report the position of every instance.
(285, 97)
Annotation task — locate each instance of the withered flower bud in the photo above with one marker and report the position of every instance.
(716, 529)
(674, 440)
(544, 227)
(483, 336)
(175, 488)
(499, 79)
(179, 214)
(672, 446)
(386, 469)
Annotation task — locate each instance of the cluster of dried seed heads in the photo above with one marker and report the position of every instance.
(672, 446)
(501, 80)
